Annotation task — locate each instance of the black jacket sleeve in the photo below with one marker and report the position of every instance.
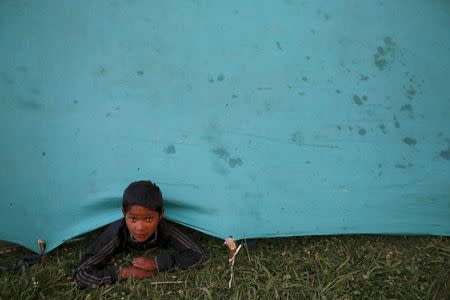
(189, 254)
(93, 267)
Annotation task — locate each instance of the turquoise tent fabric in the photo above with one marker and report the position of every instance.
(256, 118)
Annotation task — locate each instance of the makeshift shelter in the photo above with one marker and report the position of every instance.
(256, 118)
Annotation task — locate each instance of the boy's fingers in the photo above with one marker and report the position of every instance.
(136, 260)
(145, 263)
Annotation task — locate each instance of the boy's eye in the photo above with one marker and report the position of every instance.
(148, 219)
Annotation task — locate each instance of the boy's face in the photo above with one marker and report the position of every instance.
(141, 222)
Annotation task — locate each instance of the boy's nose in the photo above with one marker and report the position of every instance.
(139, 226)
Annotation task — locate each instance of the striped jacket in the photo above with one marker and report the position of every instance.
(94, 267)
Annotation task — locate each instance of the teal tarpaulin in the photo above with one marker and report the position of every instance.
(256, 118)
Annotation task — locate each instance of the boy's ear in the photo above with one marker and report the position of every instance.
(123, 211)
(161, 215)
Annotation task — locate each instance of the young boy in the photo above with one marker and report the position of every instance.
(141, 228)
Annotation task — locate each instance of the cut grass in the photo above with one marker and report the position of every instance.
(330, 267)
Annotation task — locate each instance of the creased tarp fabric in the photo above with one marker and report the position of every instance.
(256, 119)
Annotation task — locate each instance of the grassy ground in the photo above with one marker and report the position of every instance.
(336, 267)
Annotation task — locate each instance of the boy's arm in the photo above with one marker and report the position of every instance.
(94, 268)
(189, 253)
(139, 273)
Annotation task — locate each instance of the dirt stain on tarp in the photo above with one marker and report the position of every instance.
(410, 141)
(385, 54)
(396, 122)
(380, 169)
(411, 92)
(221, 152)
(224, 154)
(357, 100)
(32, 105)
(170, 149)
(296, 138)
(403, 166)
(102, 72)
(233, 162)
(363, 77)
(360, 100)
(445, 154)
(279, 46)
(407, 108)
(362, 131)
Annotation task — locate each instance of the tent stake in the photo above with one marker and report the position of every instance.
(232, 252)
(42, 247)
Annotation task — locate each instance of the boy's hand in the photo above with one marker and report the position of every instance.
(144, 263)
(124, 273)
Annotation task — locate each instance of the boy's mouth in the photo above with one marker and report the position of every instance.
(140, 236)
